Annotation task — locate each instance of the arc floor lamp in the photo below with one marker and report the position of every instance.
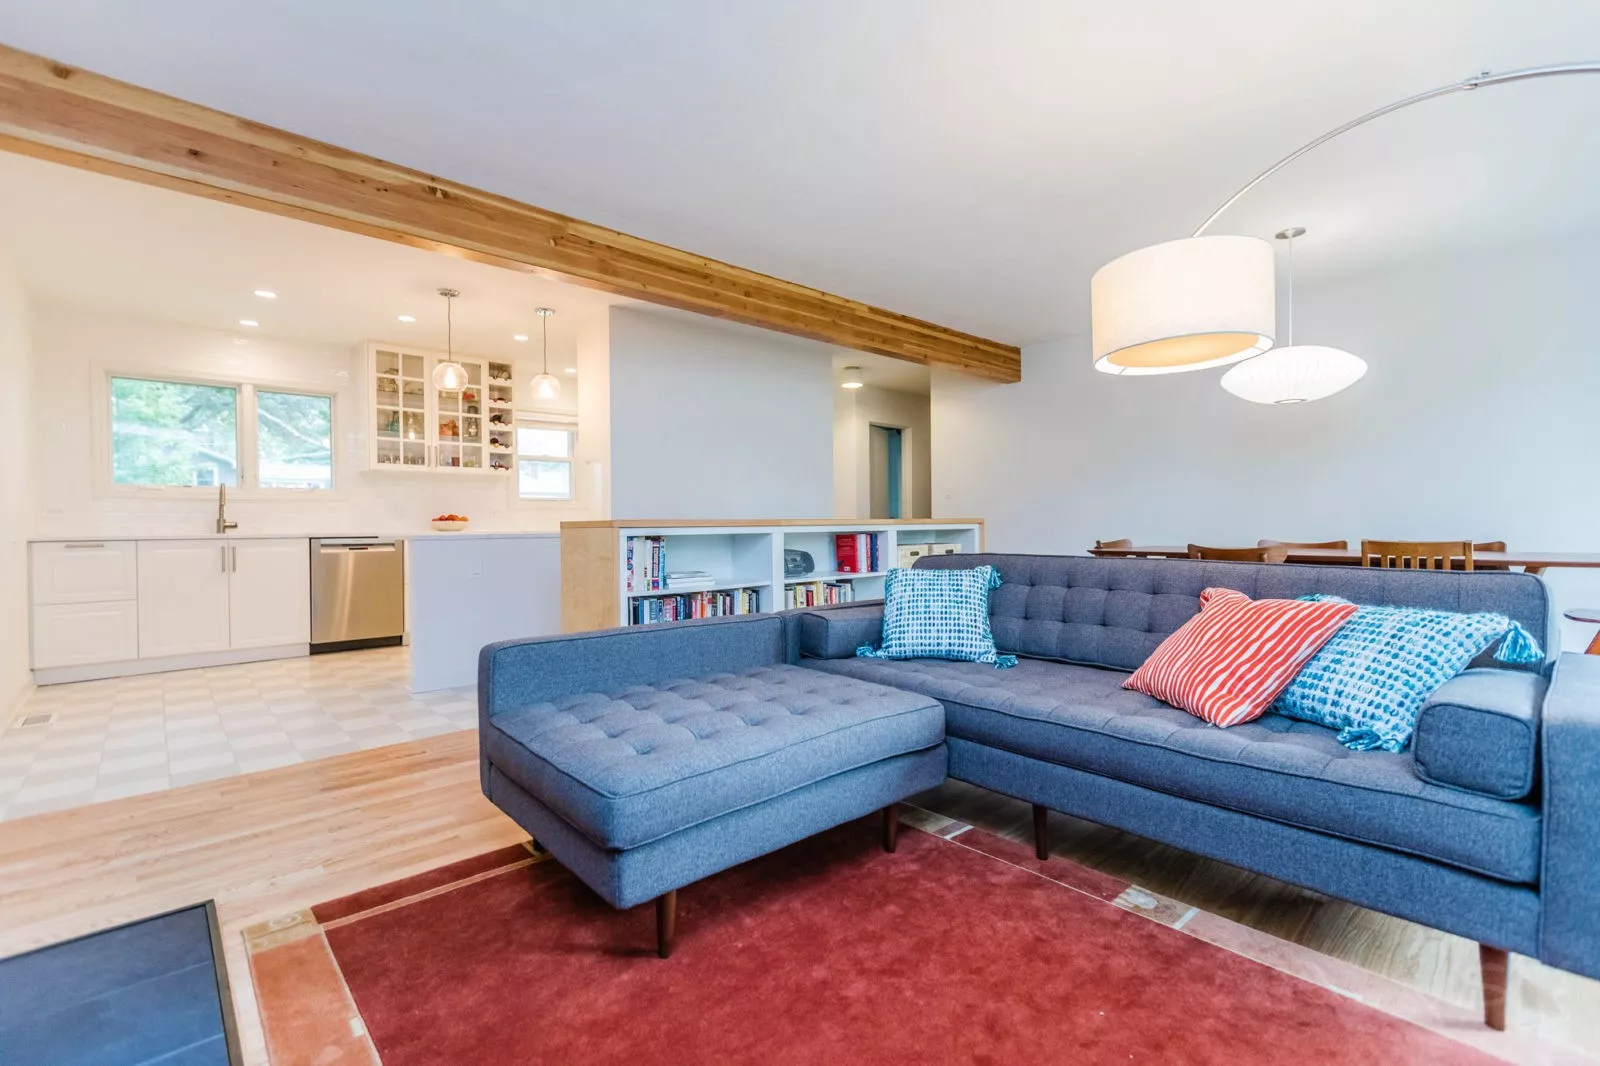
(1210, 301)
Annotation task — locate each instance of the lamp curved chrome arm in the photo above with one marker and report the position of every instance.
(1479, 81)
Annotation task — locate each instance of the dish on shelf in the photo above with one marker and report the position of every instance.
(450, 523)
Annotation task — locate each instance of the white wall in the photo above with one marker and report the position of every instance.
(16, 504)
(856, 411)
(1476, 420)
(73, 348)
(714, 420)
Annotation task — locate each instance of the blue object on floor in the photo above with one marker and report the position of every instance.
(146, 992)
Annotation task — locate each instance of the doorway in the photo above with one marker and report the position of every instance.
(885, 452)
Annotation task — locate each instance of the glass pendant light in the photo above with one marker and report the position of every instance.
(546, 386)
(1293, 373)
(449, 376)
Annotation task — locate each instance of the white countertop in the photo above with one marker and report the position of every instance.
(469, 535)
(232, 535)
(245, 534)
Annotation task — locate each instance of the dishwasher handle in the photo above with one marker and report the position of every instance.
(336, 548)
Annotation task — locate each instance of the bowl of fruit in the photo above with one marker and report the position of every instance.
(450, 523)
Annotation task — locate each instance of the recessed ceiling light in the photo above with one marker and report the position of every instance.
(519, 336)
(266, 294)
(248, 322)
(406, 318)
(572, 370)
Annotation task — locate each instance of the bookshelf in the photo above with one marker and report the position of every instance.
(740, 562)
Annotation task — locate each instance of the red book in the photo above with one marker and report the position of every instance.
(844, 547)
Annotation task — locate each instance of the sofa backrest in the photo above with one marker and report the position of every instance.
(1114, 612)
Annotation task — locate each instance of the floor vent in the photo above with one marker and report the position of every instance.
(34, 719)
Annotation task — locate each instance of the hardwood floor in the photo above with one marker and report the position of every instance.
(268, 843)
(261, 845)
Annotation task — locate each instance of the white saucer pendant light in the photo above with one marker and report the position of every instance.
(1294, 373)
(546, 386)
(449, 376)
(1183, 305)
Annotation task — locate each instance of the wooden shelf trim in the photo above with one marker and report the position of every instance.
(841, 524)
(59, 113)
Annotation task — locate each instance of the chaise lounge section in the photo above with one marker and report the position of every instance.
(645, 759)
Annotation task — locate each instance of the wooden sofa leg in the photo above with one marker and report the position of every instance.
(1496, 966)
(1041, 832)
(891, 827)
(666, 923)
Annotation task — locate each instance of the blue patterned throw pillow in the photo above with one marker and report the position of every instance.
(1371, 679)
(938, 614)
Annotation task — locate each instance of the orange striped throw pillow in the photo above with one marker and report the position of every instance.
(1230, 661)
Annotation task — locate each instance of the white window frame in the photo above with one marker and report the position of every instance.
(547, 421)
(245, 419)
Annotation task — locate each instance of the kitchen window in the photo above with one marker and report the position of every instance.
(174, 434)
(544, 459)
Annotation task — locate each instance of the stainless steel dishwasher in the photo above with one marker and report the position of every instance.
(358, 593)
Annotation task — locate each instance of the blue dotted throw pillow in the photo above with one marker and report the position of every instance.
(1371, 679)
(938, 614)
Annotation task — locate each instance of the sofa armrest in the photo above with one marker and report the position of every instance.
(518, 673)
(1569, 936)
(836, 633)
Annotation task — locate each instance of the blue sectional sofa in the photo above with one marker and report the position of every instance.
(1488, 827)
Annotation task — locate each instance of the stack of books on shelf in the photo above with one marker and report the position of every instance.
(858, 553)
(818, 593)
(693, 605)
(689, 580)
(647, 563)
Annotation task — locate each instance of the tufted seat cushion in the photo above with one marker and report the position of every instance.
(632, 766)
(1291, 772)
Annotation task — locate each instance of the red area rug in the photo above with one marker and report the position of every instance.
(828, 951)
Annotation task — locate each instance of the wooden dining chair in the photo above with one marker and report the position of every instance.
(1417, 554)
(1122, 543)
(1271, 553)
(1489, 546)
(1334, 545)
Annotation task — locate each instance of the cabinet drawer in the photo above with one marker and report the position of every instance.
(98, 571)
(77, 634)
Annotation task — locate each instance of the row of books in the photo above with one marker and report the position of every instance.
(818, 594)
(694, 605)
(858, 553)
(647, 564)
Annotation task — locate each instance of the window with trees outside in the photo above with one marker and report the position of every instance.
(544, 459)
(184, 434)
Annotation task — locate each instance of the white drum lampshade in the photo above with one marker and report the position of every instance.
(1183, 305)
(1298, 373)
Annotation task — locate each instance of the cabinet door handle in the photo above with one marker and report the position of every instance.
(87, 544)
(233, 556)
(224, 558)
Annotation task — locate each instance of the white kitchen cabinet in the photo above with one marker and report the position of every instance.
(75, 634)
(269, 592)
(84, 571)
(183, 597)
(416, 427)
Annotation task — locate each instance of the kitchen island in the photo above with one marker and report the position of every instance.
(471, 589)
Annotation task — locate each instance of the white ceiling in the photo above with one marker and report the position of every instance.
(967, 163)
(110, 245)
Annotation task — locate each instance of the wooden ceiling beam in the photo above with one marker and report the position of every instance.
(66, 115)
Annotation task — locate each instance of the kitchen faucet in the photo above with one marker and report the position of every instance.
(223, 525)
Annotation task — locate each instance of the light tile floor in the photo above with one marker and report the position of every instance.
(123, 736)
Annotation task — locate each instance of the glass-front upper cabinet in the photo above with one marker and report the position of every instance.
(419, 427)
